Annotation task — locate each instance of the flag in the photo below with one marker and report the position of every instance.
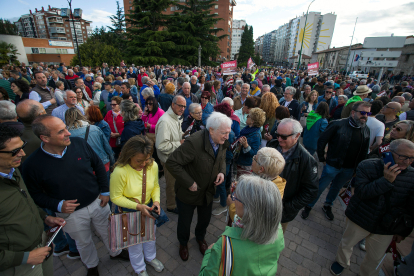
(254, 74)
(250, 63)
(356, 58)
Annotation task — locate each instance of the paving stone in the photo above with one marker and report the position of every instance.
(301, 271)
(312, 266)
(297, 258)
(309, 245)
(304, 252)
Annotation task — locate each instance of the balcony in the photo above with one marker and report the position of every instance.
(57, 30)
(55, 20)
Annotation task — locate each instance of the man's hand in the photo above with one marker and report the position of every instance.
(219, 179)
(104, 200)
(114, 134)
(391, 172)
(398, 238)
(193, 187)
(182, 141)
(69, 206)
(53, 101)
(38, 255)
(53, 221)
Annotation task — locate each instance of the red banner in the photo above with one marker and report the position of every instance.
(313, 68)
(250, 64)
(229, 68)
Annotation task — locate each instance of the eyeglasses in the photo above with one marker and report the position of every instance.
(255, 160)
(114, 104)
(363, 113)
(204, 98)
(404, 158)
(329, 92)
(15, 151)
(181, 106)
(397, 128)
(148, 103)
(389, 107)
(198, 113)
(233, 197)
(284, 137)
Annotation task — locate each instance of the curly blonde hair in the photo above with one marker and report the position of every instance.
(258, 116)
(269, 104)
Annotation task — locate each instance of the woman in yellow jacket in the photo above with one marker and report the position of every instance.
(126, 187)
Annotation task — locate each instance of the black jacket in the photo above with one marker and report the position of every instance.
(67, 84)
(338, 134)
(294, 109)
(187, 122)
(301, 174)
(367, 206)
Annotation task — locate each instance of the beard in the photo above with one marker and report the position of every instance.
(358, 121)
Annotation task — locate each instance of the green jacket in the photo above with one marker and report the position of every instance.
(194, 161)
(21, 221)
(249, 258)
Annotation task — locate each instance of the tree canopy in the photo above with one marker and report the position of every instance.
(8, 54)
(94, 53)
(247, 46)
(8, 28)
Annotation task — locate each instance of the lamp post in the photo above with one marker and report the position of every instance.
(303, 35)
(349, 51)
(76, 39)
(199, 55)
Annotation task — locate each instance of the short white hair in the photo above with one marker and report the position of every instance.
(144, 80)
(217, 119)
(7, 110)
(228, 100)
(65, 93)
(291, 89)
(246, 84)
(193, 106)
(272, 162)
(295, 125)
(265, 86)
(147, 92)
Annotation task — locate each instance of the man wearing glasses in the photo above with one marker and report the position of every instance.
(383, 193)
(348, 141)
(389, 115)
(169, 137)
(327, 97)
(360, 94)
(189, 97)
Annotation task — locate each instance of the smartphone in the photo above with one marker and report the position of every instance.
(387, 157)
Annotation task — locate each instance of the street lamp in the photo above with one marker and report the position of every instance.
(76, 39)
(303, 35)
(199, 55)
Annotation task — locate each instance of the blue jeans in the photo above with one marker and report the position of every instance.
(338, 177)
(221, 189)
(62, 239)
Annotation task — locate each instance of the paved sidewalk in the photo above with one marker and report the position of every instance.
(310, 247)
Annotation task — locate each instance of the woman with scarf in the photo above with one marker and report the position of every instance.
(337, 110)
(316, 123)
(206, 106)
(196, 113)
(250, 139)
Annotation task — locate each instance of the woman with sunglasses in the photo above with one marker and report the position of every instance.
(152, 113)
(316, 123)
(206, 106)
(282, 112)
(253, 244)
(116, 123)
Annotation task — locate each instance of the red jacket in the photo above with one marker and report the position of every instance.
(119, 121)
(139, 79)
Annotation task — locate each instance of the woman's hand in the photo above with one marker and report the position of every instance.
(114, 134)
(243, 141)
(144, 209)
(156, 203)
(268, 137)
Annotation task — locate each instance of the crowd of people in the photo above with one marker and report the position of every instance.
(77, 142)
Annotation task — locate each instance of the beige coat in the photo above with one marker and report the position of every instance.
(168, 134)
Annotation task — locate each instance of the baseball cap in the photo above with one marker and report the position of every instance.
(117, 82)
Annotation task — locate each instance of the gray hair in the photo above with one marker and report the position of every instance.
(228, 100)
(246, 84)
(397, 99)
(180, 81)
(272, 162)
(239, 82)
(376, 88)
(129, 110)
(343, 96)
(7, 110)
(265, 85)
(70, 70)
(58, 83)
(186, 83)
(144, 80)
(175, 99)
(193, 77)
(74, 118)
(407, 96)
(33, 111)
(363, 82)
(65, 93)
(193, 106)
(216, 119)
(296, 126)
(401, 142)
(98, 84)
(342, 83)
(258, 194)
(98, 79)
(306, 86)
(291, 89)
(147, 92)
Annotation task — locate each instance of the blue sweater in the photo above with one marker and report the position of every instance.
(131, 129)
(206, 112)
(332, 104)
(310, 137)
(254, 140)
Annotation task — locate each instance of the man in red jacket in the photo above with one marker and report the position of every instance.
(140, 75)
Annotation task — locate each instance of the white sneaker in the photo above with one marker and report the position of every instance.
(156, 264)
(219, 210)
(362, 245)
(143, 273)
(216, 200)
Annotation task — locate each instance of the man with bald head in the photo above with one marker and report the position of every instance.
(388, 115)
(189, 97)
(27, 111)
(70, 101)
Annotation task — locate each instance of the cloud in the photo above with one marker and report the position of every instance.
(98, 17)
(24, 2)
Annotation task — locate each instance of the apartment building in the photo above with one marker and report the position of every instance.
(237, 32)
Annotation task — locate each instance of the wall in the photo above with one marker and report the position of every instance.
(51, 56)
(16, 41)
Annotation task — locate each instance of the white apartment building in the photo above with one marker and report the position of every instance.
(237, 31)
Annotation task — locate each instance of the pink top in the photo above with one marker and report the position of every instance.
(152, 119)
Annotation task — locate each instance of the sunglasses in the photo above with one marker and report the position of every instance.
(329, 92)
(204, 98)
(148, 104)
(284, 137)
(363, 113)
(15, 151)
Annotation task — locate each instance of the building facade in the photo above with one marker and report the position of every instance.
(55, 24)
(237, 32)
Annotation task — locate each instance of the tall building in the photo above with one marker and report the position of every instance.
(237, 32)
(224, 10)
(258, 46)
(55, 24)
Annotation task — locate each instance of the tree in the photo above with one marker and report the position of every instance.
(257, 59)
(149, 40)
(8, 54)
(8, 28)
(247, 46)
(94, 53)
(118, 20)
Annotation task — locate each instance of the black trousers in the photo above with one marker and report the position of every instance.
(185, 217)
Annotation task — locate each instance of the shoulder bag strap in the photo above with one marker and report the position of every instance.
(87, 133)
(113, 120)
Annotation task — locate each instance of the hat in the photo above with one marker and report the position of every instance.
(117, 82)
(361, 90)
(254, 82)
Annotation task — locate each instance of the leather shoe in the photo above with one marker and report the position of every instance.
(93, 271)
(184, 252)
(202, 246)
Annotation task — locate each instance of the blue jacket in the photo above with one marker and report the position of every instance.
(105, 128)
(206, 113)
(235, 127)
(305, 103)
(97, 140)
(134, 90)
(156, 93)
(332, 104)
(229, 152)
(132, 128)
(254, 140)
(165, 101)
(310, 137)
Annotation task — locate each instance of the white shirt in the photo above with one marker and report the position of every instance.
(35, 96)
(287, 103)
(403, 116)
(376, 128)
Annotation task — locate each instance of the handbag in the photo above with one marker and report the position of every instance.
(128, 229)
(118, 139)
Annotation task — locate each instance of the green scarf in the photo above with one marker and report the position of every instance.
(353, 99)
(312, 118)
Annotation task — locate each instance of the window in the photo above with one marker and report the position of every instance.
(216, 7)
(35, 50)
(42, 50)
(130, 8)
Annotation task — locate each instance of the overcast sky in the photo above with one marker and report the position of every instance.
(375, 17)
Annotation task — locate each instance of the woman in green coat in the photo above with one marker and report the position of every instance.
(253, 244)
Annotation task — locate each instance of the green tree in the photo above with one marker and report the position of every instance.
(149, 40)
(8, 54)
(247, 46)
(257, 59)
(118, 20)
(8, 28)
(94, 53)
